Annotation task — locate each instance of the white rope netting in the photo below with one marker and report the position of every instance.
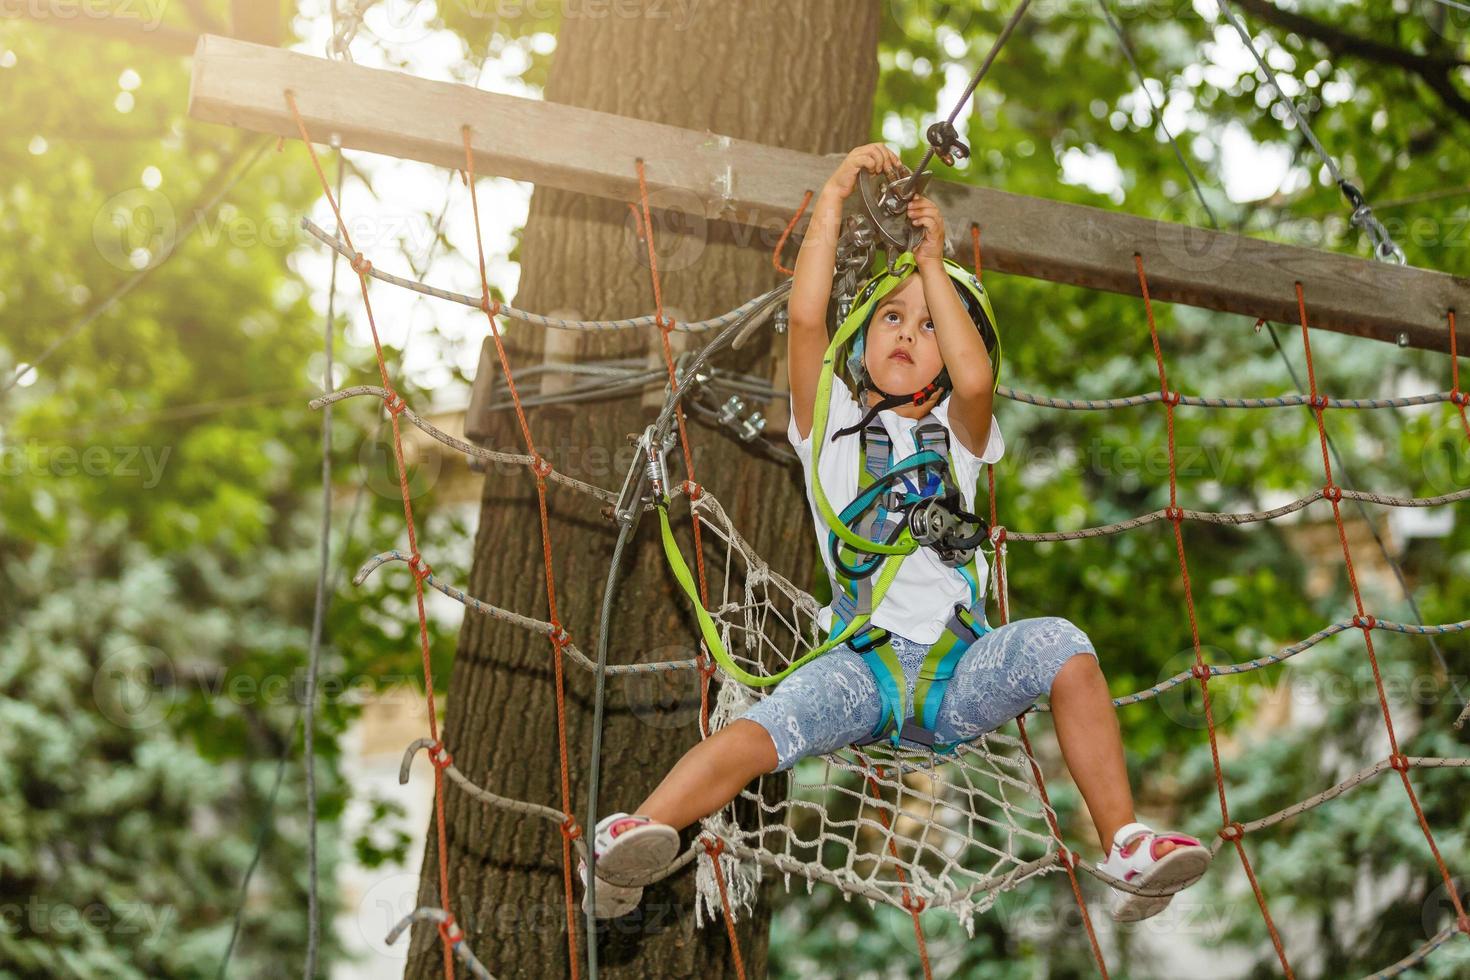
(905, 827)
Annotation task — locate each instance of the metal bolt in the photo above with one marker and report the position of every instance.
(731, 410)
(752, 427)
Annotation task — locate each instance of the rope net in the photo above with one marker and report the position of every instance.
(892, 826)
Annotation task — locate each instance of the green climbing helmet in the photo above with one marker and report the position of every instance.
(977, 302)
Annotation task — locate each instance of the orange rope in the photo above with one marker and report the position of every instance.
(1457, 397)
(705, 661)
(713, 849)
(1228, 830)
(912, 906)
(542, 468)
(706, 665)
(1067, 858)
(776, 255)
(419, 567)
(1366, 622)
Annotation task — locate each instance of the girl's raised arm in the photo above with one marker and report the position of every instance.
(811, 288)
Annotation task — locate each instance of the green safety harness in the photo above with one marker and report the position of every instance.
(872, 536)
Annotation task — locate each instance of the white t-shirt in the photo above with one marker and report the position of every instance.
(923, 594)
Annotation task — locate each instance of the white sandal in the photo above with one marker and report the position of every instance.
(626, 844)
(1184, 865)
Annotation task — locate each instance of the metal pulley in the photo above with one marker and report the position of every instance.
(951, 533)
(885, 203)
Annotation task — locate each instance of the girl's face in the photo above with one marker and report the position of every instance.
(901, 352)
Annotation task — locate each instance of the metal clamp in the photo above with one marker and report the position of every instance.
(747, 429)
(652, 470)
(946, 142)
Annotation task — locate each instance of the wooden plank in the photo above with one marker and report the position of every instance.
(760, 187)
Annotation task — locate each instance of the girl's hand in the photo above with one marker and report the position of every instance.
(875, 158)
(925, 214)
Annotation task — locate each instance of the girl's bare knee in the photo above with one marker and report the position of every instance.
(759, 749)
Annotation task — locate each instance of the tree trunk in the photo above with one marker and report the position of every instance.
(795, 75)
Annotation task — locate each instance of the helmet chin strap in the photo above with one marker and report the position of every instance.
(940, 383)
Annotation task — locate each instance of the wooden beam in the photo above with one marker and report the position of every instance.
(139, 23)
(759, 187)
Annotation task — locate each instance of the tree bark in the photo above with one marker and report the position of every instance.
(795, 75)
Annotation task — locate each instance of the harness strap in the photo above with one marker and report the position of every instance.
(876, 511)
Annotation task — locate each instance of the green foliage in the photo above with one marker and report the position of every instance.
(159, 533)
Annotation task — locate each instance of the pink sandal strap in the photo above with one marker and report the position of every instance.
(621, 825)
(1180, 840)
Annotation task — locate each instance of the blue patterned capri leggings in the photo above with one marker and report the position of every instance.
(833, 701)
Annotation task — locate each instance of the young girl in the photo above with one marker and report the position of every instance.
(920, 358)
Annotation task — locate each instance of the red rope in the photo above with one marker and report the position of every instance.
(1000, 572)
(776, 255)
(1066, 855)
(706, 666)
(541, 467)
(1230, 830)
(1364, 621)
(912, 906)
(1201, 670)
(713, 848)
(1457, 397)
(706, 663)
(395, 407)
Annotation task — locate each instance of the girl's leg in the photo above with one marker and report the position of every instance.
(1009, 668)
(1092, 745)
(826, 704)
(711, 774)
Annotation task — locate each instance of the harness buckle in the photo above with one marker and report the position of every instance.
(868, 639)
